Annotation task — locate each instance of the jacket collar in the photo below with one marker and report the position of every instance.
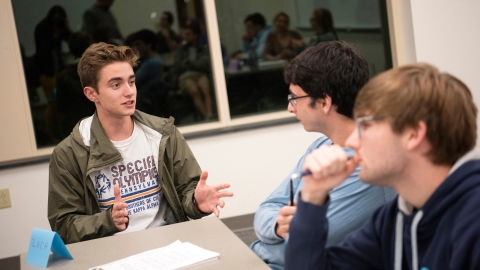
(102, 151)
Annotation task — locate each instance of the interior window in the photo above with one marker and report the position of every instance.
(173, 78)
(260, 37)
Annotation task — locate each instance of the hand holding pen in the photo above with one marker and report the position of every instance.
(285, 216)
(286, 213)
(324, 169)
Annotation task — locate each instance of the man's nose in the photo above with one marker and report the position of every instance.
(353, 141)
(290, 108)
(130, 90)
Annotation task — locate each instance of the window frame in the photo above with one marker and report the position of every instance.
(18, 142)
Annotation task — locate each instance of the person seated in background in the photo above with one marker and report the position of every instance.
(191, 70)
(49, 34)
(48, 60)
(416, 132)
(71, 102)
(203, 37)
(122, 170)
(322, 23)
(200, 24)
(144, 41)
(167, 39)
(324, 81)
(100, 23)
(282, 43)
(254, 37)
(152, 94)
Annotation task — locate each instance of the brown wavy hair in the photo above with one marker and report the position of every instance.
(99, 55)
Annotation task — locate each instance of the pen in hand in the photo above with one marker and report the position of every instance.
(295, 176)
(291, 192)
(308, 172)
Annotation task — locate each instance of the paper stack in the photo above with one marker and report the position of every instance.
(177, 255)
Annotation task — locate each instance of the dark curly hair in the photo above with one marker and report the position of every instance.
(256, 19)
(335, 69)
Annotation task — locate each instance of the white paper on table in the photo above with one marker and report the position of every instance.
(174, 256)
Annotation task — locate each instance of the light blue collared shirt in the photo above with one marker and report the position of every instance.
(351, 204)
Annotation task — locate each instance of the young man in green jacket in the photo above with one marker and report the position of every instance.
(122, 170)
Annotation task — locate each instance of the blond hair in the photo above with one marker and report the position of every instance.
(420, 92)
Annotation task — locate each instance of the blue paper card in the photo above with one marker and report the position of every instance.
(41, 243)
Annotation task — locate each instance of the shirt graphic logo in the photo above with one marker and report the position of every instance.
(102, 183)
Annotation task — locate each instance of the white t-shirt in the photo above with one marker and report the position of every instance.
(137, 178)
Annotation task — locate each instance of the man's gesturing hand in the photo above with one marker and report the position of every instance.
(119, 213)
(285, 216)
(208, 197)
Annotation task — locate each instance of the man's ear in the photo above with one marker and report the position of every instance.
(90, 93)
(325, 104)
(416, 137)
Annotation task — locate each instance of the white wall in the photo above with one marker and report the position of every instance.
(255, 161)
(443, 37)
(28, 187)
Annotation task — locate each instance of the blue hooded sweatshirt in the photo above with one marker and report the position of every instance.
(443, 234)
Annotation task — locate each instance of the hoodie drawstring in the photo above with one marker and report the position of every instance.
(398, 242)
(413, 232)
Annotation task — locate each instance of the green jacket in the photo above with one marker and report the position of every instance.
(73, 208)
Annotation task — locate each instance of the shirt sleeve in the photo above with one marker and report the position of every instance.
(266, 216)
(67, 210)
(187, 174)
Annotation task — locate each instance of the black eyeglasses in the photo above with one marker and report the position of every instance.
(293, 99)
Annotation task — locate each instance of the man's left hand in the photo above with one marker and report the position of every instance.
(208, 197)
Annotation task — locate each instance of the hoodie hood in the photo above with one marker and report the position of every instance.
(454, 186)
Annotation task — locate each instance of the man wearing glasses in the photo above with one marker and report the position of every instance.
(416, 132)
(324, 81)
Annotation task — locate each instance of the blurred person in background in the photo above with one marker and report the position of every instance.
(49, 34)
(192, 68)
(167, 39)
(282, 43)
(322, 23)
(72, 105)
(152, 94)
(254, 37)
(100, 23)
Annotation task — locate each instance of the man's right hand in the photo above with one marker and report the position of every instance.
(119, 213)
(329, 167)
(285, 216)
